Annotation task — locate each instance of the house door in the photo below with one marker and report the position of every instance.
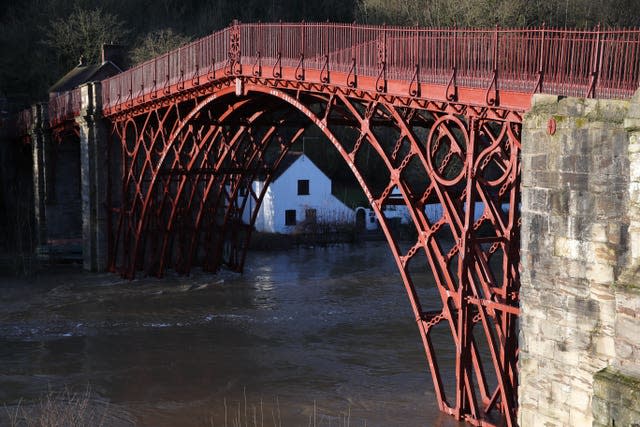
(310, 216)
(360, 220)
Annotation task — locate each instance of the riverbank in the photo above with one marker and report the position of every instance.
(57, 253)
(83, 409)
(276, 241)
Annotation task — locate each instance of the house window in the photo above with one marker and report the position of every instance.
(290, 217)
(310, 215)
(303, 187)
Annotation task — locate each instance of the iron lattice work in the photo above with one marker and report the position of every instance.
(184, 180)
(435, 113)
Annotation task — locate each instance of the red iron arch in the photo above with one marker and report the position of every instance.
(190, 160)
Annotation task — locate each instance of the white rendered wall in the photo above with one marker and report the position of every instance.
(282, 195)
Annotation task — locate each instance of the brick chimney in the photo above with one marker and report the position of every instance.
(114, 53)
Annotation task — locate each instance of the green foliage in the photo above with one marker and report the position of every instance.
(156, 43)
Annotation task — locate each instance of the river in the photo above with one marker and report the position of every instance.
(307, 336)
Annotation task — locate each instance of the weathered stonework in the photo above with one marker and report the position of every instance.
(616, 399)
(40, 139)
(93, 177)
(56, 190)
(70, 183)
(580, 239)
(62, 193)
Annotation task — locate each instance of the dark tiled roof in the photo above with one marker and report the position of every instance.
(83, 74)
(288, 160)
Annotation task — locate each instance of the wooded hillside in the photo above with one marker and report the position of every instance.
(40, 40)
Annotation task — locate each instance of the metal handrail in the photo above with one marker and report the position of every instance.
(24, 121)
(64, 106)
(603, 63)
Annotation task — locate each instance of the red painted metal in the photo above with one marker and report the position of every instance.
(551, 126)
(184, 166)
(439, 111)
(24, 123)
(473, 66)
(64, 107)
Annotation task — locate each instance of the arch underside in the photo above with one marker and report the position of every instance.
(181, 177)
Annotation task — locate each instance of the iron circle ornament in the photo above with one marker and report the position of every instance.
(446, 150)
(493, 165)
(130, 136)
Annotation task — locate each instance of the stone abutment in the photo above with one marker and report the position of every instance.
(580, 295)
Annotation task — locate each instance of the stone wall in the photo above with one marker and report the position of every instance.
(62, 200)
(580, 241)
(17, 234)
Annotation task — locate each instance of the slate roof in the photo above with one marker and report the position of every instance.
(84, 73)
(289, 159)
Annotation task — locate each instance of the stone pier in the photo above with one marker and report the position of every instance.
(56, 188)
(70, 183)
(40, 141)
(93, 177)
(580, 298)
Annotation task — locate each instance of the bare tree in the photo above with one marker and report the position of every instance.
(506, 13)
(156, 43)
(83, 33)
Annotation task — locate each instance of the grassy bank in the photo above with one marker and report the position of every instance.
(67, 409)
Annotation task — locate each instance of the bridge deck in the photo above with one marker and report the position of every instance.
(500, 67)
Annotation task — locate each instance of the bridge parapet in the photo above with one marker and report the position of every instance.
(24, 122)
(64, 107)
(438, 63)
(35, 118)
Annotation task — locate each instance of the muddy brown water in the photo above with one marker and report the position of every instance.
(307, 336)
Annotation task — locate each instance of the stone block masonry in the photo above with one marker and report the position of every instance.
(56, 189)
(62, 197)
(93, 177)
(70, 181)
(616, 399)
(580, 295)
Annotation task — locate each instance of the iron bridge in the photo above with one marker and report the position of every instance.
(435, 114)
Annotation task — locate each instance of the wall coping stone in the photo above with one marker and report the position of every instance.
(593, 110)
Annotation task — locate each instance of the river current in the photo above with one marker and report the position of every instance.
(307, 336)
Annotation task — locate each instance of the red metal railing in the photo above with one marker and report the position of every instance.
(65, 106)
(194, 62)
(24, 122)
(590, 63)
(603, 63)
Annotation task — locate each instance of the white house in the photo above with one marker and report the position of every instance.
(370, 221)
(401, 212)
(299, 191)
